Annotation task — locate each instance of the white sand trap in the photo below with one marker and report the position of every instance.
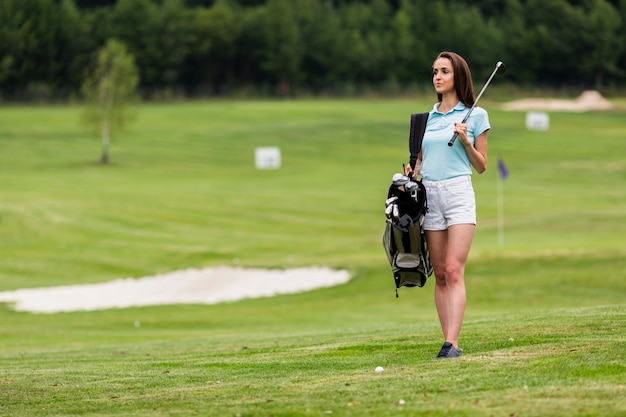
(587, 101)
(191, 286)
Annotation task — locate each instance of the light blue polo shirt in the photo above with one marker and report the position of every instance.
(440, 161)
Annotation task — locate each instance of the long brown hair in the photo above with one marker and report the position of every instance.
(462, 78)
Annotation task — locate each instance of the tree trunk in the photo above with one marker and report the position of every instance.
(599, 78)
(104, 159)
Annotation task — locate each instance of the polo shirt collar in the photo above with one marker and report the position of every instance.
(459, 107)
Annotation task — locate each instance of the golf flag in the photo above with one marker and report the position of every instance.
(504, 173)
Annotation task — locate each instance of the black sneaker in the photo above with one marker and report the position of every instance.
(448, 351)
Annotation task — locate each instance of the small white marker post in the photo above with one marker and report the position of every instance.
(267, 157)
(536, 120)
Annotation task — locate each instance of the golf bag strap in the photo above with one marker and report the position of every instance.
(416, 134)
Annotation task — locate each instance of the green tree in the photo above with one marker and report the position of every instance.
(379, 40)
(411, 60)
(136, 24)
(320, 27)
(109, 89)
(478, 39)
(208, 46)
(214, 33)
(621, 60)
(604, 40)
(173, 38)
(516, 53)
(283, 50)
(249, 48)
(365, 42)
(553, 41)
(75, 43)
(27, 49)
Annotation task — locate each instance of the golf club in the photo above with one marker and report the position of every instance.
(500, 69)
(410, 186)
(390, 200)
(399, 179)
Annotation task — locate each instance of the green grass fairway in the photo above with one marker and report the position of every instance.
(544, 333)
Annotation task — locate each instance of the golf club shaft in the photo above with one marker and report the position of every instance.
(456, 135)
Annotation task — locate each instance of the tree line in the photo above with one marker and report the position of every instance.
(219, 47)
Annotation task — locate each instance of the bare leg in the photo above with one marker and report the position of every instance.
(449, 250)
(437, 246)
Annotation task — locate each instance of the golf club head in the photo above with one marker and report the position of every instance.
(399, 179)
(410, 186)
(390, 200)
(500, 68)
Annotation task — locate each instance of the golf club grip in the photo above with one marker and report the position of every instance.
(456, 135)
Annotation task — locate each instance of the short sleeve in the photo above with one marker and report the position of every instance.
(480, 121)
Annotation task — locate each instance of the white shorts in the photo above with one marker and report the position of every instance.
(450, 202)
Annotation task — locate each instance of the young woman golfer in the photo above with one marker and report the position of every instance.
(447, 176)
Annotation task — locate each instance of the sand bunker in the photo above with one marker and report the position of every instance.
(191, 286)
(587, 101)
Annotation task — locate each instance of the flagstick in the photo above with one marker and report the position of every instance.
(500, 211)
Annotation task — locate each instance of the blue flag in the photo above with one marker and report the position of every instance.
(504, 173)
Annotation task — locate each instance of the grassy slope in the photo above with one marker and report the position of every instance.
(545, 315)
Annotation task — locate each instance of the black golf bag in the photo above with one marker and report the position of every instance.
(404, 240)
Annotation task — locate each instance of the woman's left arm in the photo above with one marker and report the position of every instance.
(478, 153)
